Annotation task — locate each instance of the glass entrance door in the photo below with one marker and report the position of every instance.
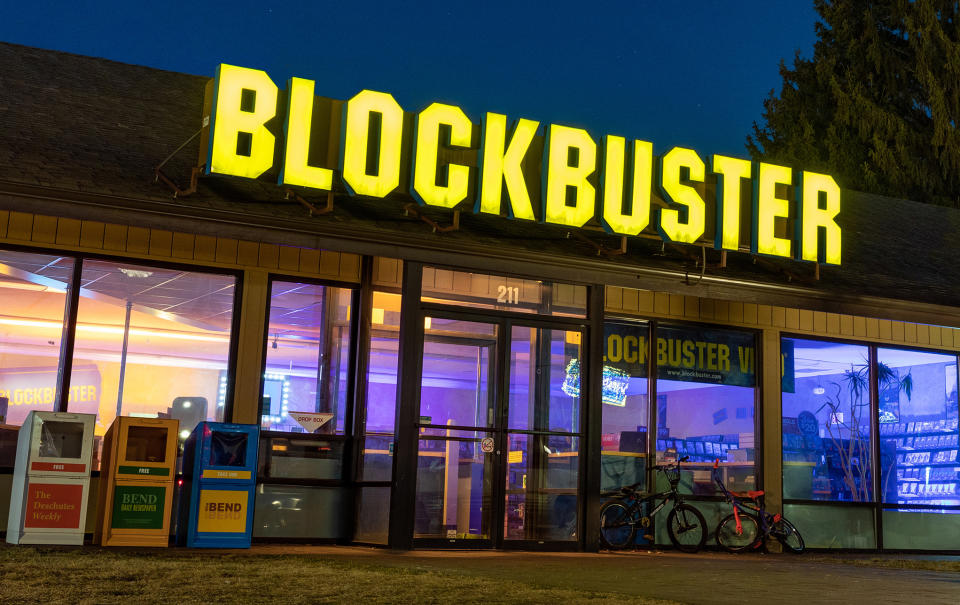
(498, 433)
(543, 435)
(458, 404)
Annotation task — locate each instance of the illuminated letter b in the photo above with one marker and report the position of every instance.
(240, 144)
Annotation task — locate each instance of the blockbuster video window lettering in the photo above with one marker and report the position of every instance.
(440, 158)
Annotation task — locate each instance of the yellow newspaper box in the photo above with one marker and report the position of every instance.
(136, 482)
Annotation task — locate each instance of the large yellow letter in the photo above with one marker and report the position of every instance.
(767, 207)
(296, 171)
(497, 166)
(234, 114)
(427, 142)
(356, 139)
(638, 217)
(730, 171)
(671, 166)
(812, 217)
(564, 173)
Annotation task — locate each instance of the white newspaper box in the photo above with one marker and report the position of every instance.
(51, 479)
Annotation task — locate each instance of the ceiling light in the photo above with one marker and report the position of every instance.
(12, 285)
(34, 323)
(135, 272)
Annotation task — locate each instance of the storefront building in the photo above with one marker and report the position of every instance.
(444, 350)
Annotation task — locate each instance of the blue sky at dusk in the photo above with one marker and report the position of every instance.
(689, 73)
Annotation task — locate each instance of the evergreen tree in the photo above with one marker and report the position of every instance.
(877, 105)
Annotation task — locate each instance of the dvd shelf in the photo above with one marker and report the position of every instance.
(737, 447)
(927, 461)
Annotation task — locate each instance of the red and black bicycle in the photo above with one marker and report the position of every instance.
(749, 525)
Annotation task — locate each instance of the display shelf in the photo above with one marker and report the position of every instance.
(927, 463)
(923, 455)
(707, 449)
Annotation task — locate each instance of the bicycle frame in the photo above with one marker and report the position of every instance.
(685, 525)
(672, 494)
(765, 519)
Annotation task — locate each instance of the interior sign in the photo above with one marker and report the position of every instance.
(441, 158)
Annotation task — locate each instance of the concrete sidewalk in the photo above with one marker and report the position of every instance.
(715, 578)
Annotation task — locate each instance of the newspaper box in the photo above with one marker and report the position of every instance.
(51, 479)
(136, 482)
(219, 478)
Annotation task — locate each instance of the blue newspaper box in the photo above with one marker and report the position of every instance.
(219, 478)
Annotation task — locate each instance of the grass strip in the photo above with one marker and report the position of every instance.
(52, 575)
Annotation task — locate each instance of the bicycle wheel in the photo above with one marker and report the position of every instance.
(617, 525)
(787, 534)
(733, 540)
(687, 528)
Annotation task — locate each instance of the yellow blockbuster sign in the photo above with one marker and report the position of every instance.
(549, 173)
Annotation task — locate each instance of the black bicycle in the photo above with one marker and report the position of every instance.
(749, 525)
(629, 510)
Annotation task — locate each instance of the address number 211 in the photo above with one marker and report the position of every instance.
(508, 294)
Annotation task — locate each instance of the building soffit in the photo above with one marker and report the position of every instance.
(319, 234)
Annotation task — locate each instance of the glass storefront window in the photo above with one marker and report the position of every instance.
(381, 396)
(937, 529)
(373, 515)
(918, 420)
(706, 397)
(826, 421)
(625, 405)
(557, 408)
(382, 364)
(299, 512)
(834, 526)
(308, 358)
(482, 291)
(300, 457)
(33, 295)
(151, 342)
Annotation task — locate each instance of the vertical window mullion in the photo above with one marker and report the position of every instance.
(68, 340)
(653, 431)
(875, 469)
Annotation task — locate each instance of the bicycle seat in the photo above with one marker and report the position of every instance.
(750, 495)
